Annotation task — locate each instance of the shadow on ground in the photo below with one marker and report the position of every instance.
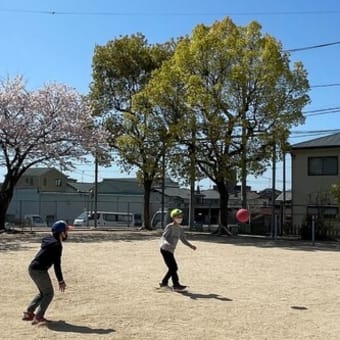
(62, 326)
(196, 296)
(20, 240)
(299, 307)
(268, 242)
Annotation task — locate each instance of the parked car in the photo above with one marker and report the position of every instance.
(160, 217)
(34, 220)
(105, 219)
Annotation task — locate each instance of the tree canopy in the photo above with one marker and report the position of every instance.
(216, 102)
(121, 69)
(230, 90)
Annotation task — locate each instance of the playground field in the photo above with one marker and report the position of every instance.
(239, 288)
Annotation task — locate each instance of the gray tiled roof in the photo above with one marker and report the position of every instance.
(126, 186)
(80, 187)
(178, 192)
(322, 142)
(175, 192)
(210, 194)
(37, 171)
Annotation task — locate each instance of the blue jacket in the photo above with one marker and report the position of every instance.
(48, 255)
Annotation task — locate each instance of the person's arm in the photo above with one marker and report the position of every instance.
(57, 269)
(186, 242)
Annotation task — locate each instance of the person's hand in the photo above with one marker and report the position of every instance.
(62, 286)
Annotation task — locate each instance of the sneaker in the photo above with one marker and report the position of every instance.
(28, 316)
(179, 287)
(163, 285)
(39, 319)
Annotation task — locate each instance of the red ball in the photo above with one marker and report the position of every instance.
(242, 215)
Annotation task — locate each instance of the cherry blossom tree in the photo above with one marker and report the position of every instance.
(51, 126)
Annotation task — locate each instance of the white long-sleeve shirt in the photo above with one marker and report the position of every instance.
(172, 233)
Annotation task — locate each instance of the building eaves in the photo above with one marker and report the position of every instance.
(175, 192)
(125, 186)
(37, 171)
(81, 187)
(330, 141)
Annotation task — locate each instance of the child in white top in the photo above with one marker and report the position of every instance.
(172, 233)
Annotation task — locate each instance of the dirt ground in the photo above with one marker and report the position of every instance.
(240, 288)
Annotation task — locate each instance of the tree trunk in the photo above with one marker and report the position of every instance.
(224, 198)
(5, 200)
(147, 197)
(6, 192)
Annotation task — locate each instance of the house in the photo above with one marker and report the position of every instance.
(43, 179)
(315, 168)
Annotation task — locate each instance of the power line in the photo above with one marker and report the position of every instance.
(150, 13)
(312, 47)
(80, 13)
(321, 112)
(316, 131)
(304, 134)
(325, 85)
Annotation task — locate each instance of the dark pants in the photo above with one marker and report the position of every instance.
(170, 261)
(42, 300)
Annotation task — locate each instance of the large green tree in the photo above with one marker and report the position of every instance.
(121, 69)
(238, 90)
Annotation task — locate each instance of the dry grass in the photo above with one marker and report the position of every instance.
(240, 288)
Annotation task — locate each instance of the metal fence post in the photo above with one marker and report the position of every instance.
(313, 230)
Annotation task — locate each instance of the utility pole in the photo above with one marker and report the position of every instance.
(163, 187)
(244, 164)
(95, 189)
(274, 224)
(191, 206)
(192, 179)
(284, 191)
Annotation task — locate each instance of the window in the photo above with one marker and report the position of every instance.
(323, 166)
(37, 219)
(29, 180)
(124, 218)
(44, 182)
(117, 217)
(110, 217)
(58, 182)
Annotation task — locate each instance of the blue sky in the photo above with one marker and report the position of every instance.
(46, 47)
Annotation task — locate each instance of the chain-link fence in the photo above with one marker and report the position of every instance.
(52, 210)
(281, 220)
